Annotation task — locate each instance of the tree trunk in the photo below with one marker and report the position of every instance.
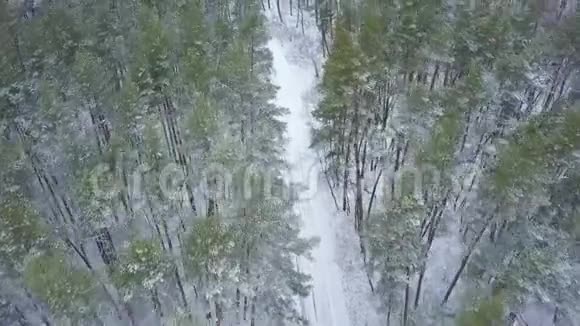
(245, 307)
(106, 247)
(430, 239)
(373, 193)
(358, 205)
(219, 315)
(168, 142)
(330, 187)
(389, 312)
(180, 287)
(386, 110)
(238, 297)
(446, 78)
(345, 179)
(395, 170)
(407, 292)
(253, 312)
(437, 214)
(279, 11)
(156, 302)
(212, 201)
(465, 260)
(466, 131)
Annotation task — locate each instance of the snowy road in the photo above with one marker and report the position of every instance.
(326, 306)
(340, 293)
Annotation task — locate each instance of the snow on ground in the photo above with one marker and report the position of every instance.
(341, 294)
(327, 304)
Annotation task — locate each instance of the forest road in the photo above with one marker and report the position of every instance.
(326, 305)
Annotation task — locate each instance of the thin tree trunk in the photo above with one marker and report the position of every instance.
(18, 50)
(386, 111)
(433, 226)
(419, 286)
(238, 297)
(553, 87)
(253, 312)
(466, 131)
(395, 170)
(358, 206)
(105, 245)
(180, 287)
(373, 193)
(168, 141)
(245, 307)
(465, 260)
(407, 292)
(279, 11)
(331, 189)
(219, 316)
(156, 302)
(446, 78)
(389, 312)
(345, 178)
(302, 19)
(316, 12)
(80, 252)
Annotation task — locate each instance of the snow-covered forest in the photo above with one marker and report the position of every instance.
(290, 162)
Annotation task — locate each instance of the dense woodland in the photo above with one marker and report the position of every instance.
(457, 122)
(100, 100)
